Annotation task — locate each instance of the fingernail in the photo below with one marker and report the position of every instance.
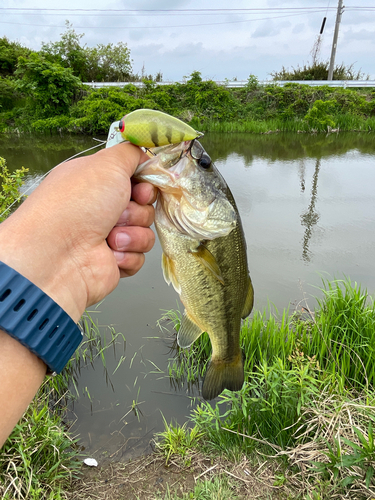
(124, 218)
(122, 241)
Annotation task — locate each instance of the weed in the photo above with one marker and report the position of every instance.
(177, 440)
(219, 488)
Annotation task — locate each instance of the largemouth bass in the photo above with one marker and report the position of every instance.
(151, 128)
(204, 256)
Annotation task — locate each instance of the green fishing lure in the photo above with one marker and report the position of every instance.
(150, 128)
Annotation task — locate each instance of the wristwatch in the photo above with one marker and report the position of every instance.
(35, 320)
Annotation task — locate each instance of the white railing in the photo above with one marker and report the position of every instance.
(239, 84)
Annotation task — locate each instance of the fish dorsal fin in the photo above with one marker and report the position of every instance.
(188, 332)
(249, 300)
(169, 273)
(206, 258)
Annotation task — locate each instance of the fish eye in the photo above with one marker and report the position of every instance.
(204, 161)
(121, 125)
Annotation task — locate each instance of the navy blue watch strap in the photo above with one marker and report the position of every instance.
(35, 320)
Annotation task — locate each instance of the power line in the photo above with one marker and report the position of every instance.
(164, 10)
(156, 27)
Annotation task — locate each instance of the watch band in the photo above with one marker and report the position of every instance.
(34, 319)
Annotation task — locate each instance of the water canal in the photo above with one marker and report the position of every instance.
(307, 204)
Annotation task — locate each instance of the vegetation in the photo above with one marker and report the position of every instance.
(49, 87)
(9, 188)
(56, 101)
(318, 70)
(308, 397)
(44, 92)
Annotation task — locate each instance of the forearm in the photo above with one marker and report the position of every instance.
(21, 374)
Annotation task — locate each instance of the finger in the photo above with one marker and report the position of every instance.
(125, 155)
(129, 263)
(131, 239)
(144, 193)
(137, 215)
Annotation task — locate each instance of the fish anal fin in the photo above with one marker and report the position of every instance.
(188, 332)
(222, 375)
(206, 258)
(249, 302)
(169, 272)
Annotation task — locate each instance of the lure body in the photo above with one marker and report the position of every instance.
(150, 128)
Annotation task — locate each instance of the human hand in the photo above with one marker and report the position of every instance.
(83, 228)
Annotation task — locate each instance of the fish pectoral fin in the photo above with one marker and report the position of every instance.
(249, 302)
(206, 258)
(188, 332)
(169, 273)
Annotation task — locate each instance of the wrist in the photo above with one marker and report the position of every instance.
(35, 320)
(41, 265)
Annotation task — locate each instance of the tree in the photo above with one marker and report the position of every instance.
(101, 63)
(51, 89)
(68, 52)
(109, 62)
(9, 54)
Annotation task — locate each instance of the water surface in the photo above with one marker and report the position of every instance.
(308, 210)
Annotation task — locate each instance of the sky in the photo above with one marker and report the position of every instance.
(221, 39)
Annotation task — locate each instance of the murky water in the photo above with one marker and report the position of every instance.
(308, 208)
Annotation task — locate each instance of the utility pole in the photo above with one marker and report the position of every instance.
(340, 10)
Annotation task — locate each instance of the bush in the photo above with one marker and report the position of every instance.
(49, 87)
(319, 71)
(318, 117)
(9, 188)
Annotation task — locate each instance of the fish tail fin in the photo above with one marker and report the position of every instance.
(222, 375)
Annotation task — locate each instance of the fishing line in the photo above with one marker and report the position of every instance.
(38, 181)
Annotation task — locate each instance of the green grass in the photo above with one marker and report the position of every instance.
(336, 342)
(40, 458)
(343, 122)
(219, 488)
(308, 392)
(177, 440)
(252, 126)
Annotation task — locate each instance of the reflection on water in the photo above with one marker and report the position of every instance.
(294, 231)
(310, 218)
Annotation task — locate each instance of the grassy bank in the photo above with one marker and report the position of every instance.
(204, 104)
(308, 399)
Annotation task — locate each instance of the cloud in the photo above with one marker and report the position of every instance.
(270, 28)
(361, 35)
(298, 28)
(217, 50)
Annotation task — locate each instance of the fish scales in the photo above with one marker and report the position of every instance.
(204, 257)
